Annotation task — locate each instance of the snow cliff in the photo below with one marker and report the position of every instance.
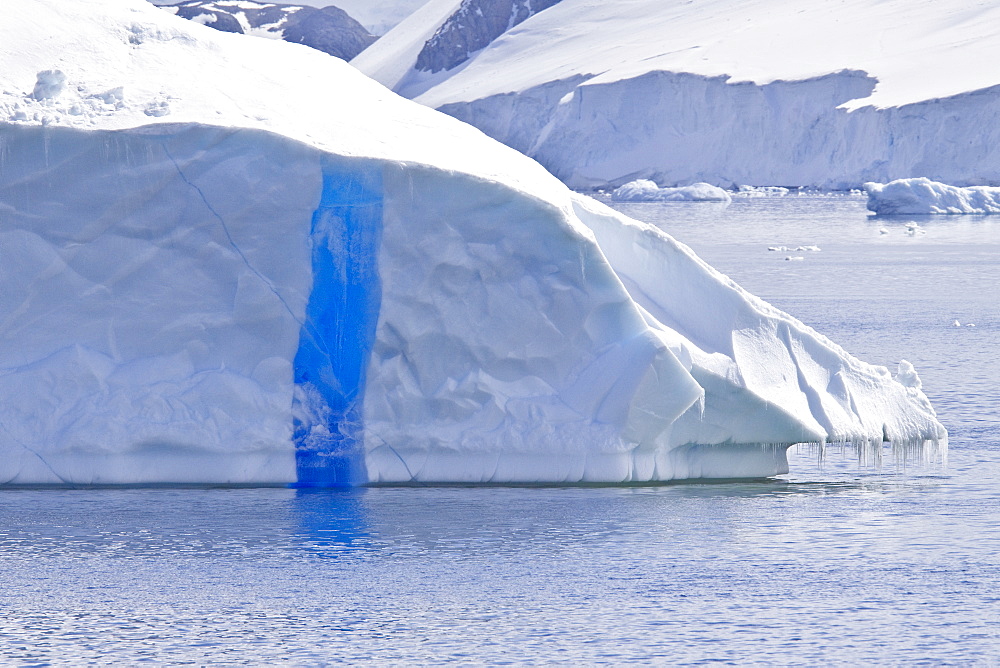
(240, 261)
(731, 93)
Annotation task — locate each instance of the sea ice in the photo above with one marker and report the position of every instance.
(921, 196)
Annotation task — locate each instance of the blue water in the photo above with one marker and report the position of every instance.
(830, 564)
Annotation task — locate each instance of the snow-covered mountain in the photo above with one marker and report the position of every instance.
(472, 27)
(329, 29)
(814, 93)
(240, 261)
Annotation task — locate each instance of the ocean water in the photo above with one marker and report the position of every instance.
(830, 564)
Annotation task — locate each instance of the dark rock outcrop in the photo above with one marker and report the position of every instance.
(472, 27)
(329, 29)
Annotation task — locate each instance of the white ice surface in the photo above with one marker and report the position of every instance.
(921, 196)
(644, 190)
(918, 50)
(824, 94)
(155, 244)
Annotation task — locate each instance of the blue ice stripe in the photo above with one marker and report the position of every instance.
(336, 340)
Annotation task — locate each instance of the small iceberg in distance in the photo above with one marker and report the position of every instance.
(921, 196)
(644, 190)
(761, 191)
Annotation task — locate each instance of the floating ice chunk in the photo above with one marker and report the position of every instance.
(907, 376)
(957, 324)
(49, 84)
(921, 196)
(971, 324)
(761, 191)
(883, 230)
(813, 249)
(644, 190)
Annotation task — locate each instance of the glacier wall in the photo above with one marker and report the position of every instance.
(678, 128)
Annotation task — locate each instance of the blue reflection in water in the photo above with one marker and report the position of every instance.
(332, 522)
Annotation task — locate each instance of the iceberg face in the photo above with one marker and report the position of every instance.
(151, 304)
(310, 300)
(921, 196)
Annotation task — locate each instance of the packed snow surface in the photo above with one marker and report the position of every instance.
(921, 196)
(644, 190)
(239, 261)
(826, 94)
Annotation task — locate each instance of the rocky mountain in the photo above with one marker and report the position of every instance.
(329, 29)
(472, 27)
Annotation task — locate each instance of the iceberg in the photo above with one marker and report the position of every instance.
(644, 190)
(236, 261)
(921, 196)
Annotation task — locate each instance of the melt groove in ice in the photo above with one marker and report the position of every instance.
(339, 327)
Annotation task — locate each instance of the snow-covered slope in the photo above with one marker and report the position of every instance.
(235, 260)
(330, 29)
(751, 92)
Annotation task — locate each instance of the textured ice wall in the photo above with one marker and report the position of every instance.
(507, 349)
(677, 128)
(154, 285)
